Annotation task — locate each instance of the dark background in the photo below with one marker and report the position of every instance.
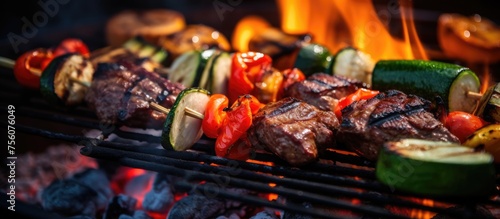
(86, 18)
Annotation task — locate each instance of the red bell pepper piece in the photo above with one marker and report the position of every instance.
(231, 136)
(72, 45)
(246, 69)
(28, 67)
(360, 94)
(214, 115)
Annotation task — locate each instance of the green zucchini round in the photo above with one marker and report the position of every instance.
(181, 131)
(438, 169)
(429, 79)
(57, 82)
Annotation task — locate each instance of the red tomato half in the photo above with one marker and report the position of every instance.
(463, 124)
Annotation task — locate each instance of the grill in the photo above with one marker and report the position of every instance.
(335, 181)
(342, 181)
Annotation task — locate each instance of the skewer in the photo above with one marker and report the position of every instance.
(9, 63)
(474, 95)
(189, 112)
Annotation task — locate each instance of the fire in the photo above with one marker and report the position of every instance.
(340, 23)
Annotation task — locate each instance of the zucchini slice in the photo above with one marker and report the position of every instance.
(313, 58)
(188, 68)
(221, 70)
(66, 79)
(181, 131)
(429, 79)
(206, 76)
(434, 168)
(352, 63)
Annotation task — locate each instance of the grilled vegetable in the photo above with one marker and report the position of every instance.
(26, 64)
(429, 79)
(189, 67)
(65, 80)
(71, 45)
(313, 58)
(352, 63)
(143, 49)
(486, 138)
(246, 69)
(489, 105)
(435, 168)
(462, 124)
(236, 122)
(181, 131)
(220, 72)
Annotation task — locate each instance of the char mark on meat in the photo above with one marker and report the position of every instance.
(389, 116)
(293, 130)
(324, 90)
(120, 94)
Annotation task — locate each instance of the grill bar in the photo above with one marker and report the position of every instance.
(192, 165)
(341, 177)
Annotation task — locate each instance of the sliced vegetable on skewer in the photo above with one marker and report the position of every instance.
(181, 131)
(428, 79)
(489, 105)
(66, 79)
(313, 58)
(436, 168)
(29, 66)
(352, 63)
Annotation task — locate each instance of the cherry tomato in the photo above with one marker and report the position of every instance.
(28, 67)
(72, 45)
(463, 124)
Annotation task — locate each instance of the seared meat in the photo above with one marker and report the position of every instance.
(323, 90)
(293, 130)
(120, 94)
(391, 115)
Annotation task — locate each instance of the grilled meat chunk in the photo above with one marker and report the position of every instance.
(323, 90)
(391, 115)
(293, 130)
(121, 92)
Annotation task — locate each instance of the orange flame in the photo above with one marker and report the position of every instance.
(340, 23)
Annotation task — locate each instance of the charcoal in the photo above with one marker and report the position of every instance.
(69, 197)
(120, 204)
(264, 215)
(292, 215)
(160, 197)
(232, 216)
(196, 207)
(467, 212)
(141, 215)
(99, 182)
(136, 215)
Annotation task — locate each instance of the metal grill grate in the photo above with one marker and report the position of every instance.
(339, 181)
